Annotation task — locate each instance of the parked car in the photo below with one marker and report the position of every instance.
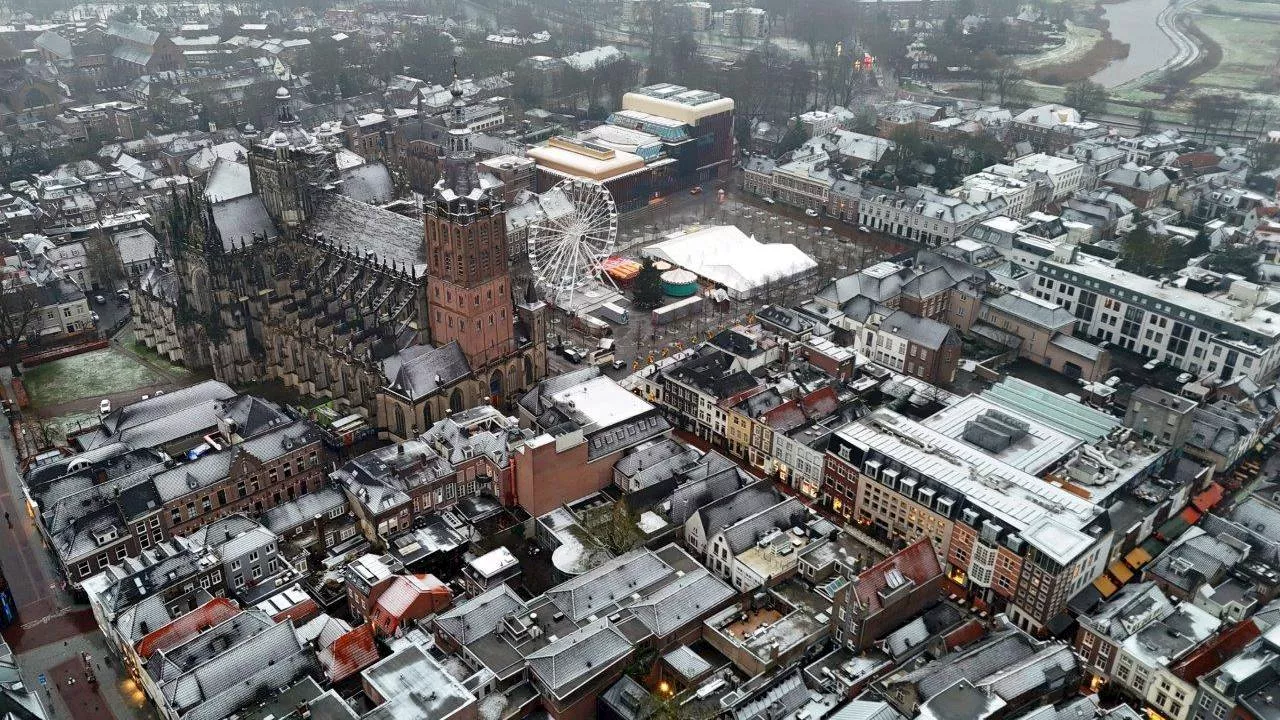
(100, 299)
(123, 295)
(863, 229)
(104, 407)
(618, 364)
(696, 190)
(811, 212)
(95, 317)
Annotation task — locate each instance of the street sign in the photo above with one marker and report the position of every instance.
(42, 679)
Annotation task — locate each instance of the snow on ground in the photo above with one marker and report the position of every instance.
(492, 706)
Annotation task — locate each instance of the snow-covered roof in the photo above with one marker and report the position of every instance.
(725, 255)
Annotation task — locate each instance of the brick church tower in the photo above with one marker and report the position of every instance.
(469, 283)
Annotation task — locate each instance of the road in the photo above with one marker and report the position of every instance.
(52, 628)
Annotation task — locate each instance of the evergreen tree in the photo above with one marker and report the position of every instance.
(648, 286)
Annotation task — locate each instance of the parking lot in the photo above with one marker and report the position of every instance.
(839, 249)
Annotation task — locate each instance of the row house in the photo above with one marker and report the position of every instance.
(250, 476)
(569, 642)
(922, 215)
(1194, 326)
(98, 510)
(1006, 536)
(693, 389)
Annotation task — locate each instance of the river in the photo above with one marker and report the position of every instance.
(1133, 22)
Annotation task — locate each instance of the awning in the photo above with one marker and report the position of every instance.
(1121, 572)
(1137, 557)
(1105, 586)
(1210, 497)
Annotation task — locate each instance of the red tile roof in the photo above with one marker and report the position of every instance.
(410, 597)
(1212, 495)
(971, 631)
(214, 612)
(1216, 651)
(1191, 515)
(299, 613)
(350, 653)
(916, 562)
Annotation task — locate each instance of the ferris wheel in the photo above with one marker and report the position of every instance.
(575, 231)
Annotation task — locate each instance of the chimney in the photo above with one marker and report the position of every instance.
(100, 476)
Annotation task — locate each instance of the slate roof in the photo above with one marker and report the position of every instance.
(132, 33)
(215, 466)
(243, 220)
(743, 534)
(162, 418)
(689, 664)
(610, 582)
(742, 503)
(780, 698)
(205, 643)
(681, 602)
(55, 44)
(420, 371)
(367, 183)
(480, 615)
(228, 180)
(922, 331)
(285, 517)
(1002, 650)
(263, 662)
(567, 663)
(690, 497)
(1136, 178)
(370, 229)
(1196, 559)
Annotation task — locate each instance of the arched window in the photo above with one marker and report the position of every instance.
(399, 421)
(528, 371)
(455, 401)
(495, 385)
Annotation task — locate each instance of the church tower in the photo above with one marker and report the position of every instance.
(469, 283)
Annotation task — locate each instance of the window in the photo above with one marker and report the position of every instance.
(235, 564)
(239, 581)
(253, 556)
(120, 553)
(257, 573)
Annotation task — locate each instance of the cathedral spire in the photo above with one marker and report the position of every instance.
(459, 174)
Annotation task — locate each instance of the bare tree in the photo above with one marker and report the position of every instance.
(104, 259)
(19, 311)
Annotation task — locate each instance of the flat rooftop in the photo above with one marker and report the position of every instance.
(1019, 498)
(1037, 450)
(600, 403)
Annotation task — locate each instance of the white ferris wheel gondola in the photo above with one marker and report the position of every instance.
(575, 232)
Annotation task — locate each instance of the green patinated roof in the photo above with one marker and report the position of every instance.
(1057, 411)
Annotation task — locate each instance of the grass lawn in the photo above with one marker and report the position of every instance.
(1241, 8)
(94, 374)
(131, 344)
(1250, 48)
